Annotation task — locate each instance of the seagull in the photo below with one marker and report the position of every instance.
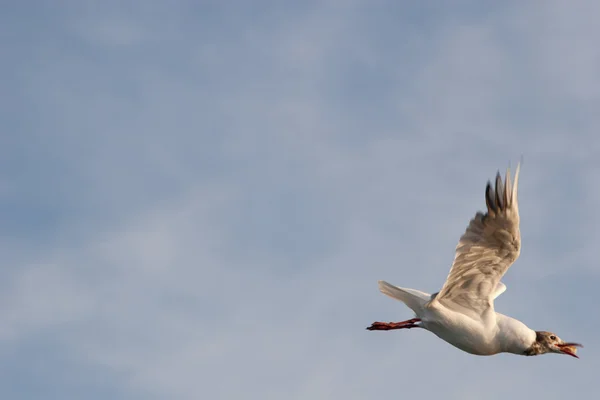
(462, 312)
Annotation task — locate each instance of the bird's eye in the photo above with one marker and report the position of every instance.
(552, 337)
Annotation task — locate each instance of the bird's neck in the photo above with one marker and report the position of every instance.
(514, 336)
(536, 346)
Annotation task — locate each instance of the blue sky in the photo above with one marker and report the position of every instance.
(198, 198)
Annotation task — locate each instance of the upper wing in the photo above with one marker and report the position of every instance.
(485, 251)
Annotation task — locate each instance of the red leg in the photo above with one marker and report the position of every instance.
(387, 326)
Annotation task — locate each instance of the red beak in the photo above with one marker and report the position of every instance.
(567, 348)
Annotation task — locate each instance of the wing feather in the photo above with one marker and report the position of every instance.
(489, 246)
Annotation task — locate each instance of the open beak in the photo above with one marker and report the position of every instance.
(569, 348)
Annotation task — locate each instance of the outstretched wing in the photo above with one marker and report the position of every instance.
(486, 250)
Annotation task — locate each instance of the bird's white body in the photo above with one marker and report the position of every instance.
(475, 336)
(485, 334)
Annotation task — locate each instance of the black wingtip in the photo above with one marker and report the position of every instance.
(499, 191)
(489, 198)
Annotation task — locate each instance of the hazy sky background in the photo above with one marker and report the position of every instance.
(197, 198)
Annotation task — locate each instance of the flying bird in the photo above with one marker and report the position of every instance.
(462, 312)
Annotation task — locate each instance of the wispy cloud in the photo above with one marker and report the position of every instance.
(199, 199)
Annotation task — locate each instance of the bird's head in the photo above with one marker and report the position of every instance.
(548, 342)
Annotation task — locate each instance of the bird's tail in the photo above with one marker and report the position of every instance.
(414, 299)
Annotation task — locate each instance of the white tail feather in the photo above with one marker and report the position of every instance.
(414, 299)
